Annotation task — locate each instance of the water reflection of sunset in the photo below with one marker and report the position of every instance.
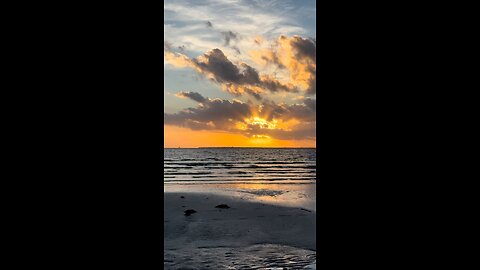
(285, 194)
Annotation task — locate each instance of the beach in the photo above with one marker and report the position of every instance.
(239, 208)
(248, 235)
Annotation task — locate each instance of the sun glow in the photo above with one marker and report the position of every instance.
(262, 123)
(183, 137)
(261, 139)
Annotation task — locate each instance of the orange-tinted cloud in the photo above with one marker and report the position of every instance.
(288, 65)
(279, 121)
(237, 79)
(296, 56)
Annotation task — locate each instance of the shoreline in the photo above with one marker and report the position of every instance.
(290, 195)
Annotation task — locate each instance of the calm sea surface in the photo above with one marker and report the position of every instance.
(239, 166)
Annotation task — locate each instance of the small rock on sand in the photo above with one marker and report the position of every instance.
(188, 212)
(182, 197)
(222, 206)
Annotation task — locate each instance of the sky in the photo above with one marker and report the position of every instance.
(239, 73)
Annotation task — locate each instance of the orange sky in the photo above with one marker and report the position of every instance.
(182, 137)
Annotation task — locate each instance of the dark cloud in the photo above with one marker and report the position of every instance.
(167, 46)
(312, 82)
(233, 116)
(237, 50)
(274, 86)
(224, 71)
(228, 36)
(304, 112)
(296, 56)
(238, 79)
(254, 94)
(305, 47)
(182, 48)
(305, 131)
(311, 103)
(192, 95)
(211, 114)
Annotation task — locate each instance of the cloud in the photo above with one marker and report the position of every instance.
(295, 56)
(191, 95)
(280, 121)
(223, 70)
(257, 52)
(236, 49)
(249, 18)
(305, 47)
(228, 35)
(237, 79)
(167, 46)
(210, 114)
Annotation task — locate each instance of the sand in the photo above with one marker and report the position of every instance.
(248, 234)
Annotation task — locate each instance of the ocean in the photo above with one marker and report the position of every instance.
(239, 166)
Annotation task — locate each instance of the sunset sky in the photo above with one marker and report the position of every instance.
(240, 73)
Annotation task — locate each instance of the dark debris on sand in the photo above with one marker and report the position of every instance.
(188, 212)
(222, 206)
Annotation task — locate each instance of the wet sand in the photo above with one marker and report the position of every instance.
(248, 234)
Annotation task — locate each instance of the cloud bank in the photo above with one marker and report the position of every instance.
(281, 121)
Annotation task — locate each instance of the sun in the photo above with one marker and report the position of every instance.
(262, 123)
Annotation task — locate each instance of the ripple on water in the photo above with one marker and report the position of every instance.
(237, 165)
(252, 257)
